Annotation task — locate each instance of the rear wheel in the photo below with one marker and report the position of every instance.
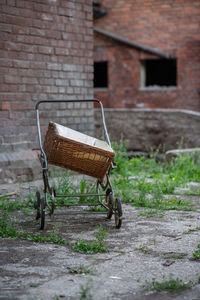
(118, 213)
(110, 203)
(37, 205)
(42, 213)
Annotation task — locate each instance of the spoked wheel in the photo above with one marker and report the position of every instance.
(118, 213)
(39, 204)
(52, 207)
(110, 203)
(42, 213)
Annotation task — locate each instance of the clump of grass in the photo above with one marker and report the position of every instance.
(196, 253)
(7, 229)
(169, 255)
(99, 209)
(51, 238)
(10, 205)
(93, 246)
(192, 230)
(33, 284)
(171, 285)
(86, 291)
(144, 250)
(150, 213)
(80, 270)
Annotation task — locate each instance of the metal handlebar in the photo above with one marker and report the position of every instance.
(66, 101)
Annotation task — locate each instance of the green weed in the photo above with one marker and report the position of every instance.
(168, 255)
(32, 284)
(52, 238)
(131, 186)
(192, 230)
(171, 285)
(11, 205)
(150, 213)
(7, 229)
(80, 270)
(85, 291)
(196, 253)
(144, 250)
(93, 246)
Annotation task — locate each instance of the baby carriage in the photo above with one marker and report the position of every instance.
(73, 150)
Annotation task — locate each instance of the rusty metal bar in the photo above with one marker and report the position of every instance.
(80, 195)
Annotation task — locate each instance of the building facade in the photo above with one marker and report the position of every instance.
(148, 53)
(46, 53)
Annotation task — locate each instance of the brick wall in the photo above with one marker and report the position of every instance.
(46, 52)
(171, 26)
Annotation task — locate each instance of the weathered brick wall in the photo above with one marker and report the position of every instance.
(171, 26)
(46, 52)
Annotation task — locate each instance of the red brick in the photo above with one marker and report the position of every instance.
(5, 106)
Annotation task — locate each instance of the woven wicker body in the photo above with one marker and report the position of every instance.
(73, 150)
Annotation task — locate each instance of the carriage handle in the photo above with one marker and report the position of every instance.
(67, 101)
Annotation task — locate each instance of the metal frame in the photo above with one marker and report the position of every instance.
(106, 187)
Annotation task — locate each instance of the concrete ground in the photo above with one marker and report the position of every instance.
(144, 248)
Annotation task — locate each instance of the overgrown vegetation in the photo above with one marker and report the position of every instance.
(8, 229)
(145, 182)
(142, 182)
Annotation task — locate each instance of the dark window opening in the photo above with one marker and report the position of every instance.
(101, 74)
(159, 72)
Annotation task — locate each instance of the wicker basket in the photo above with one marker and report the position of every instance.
(76, 151)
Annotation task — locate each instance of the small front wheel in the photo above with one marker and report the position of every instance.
(37, 205)
(42, 213)
(118, 213)
(110, 203)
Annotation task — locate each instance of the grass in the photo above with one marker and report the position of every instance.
(144, 250)
(172, 285)
(144, 182)
(80, 270)
(141, 182)
(192, 230)
(196, 253)
(9, 230)
(93, 246)
(150, 213)
(11, 205)
(85, 291)
(168, 255)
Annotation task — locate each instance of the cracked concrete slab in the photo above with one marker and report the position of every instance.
(143, 249)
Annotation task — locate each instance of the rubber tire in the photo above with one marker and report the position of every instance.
(110, 204)
(42, 213)
(118, 213)
(37, 202)
(37, 205)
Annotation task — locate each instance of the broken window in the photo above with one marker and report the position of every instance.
(158, 73)
(101, 74)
